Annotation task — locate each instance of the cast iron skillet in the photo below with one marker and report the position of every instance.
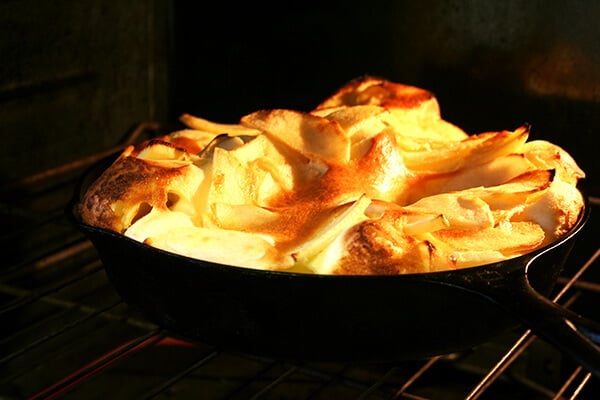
(344, 318)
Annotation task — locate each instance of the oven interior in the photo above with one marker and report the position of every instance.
(109, 75)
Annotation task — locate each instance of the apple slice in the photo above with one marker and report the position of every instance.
(469, 246)
(222, 246)
(202, 124)
(309, 134)
(474, 150)
(347, 216)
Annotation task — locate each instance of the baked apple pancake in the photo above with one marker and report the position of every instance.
(372, 181)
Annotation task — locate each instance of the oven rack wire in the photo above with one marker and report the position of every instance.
(65, 333)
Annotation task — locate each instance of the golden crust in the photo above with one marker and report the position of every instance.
(130, 185)
(369, 90)
(379, 248)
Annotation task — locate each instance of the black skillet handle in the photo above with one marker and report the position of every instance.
(569, 332)
(566, 330)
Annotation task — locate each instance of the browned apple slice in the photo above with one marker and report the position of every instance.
(474, 150)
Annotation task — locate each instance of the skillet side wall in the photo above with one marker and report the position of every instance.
(322, 318)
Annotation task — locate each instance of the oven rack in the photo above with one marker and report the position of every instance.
(65, 333)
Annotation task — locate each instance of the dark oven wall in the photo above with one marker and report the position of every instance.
(493, 65)
(76, 76)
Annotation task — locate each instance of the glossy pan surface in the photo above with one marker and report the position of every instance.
(344, 318)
